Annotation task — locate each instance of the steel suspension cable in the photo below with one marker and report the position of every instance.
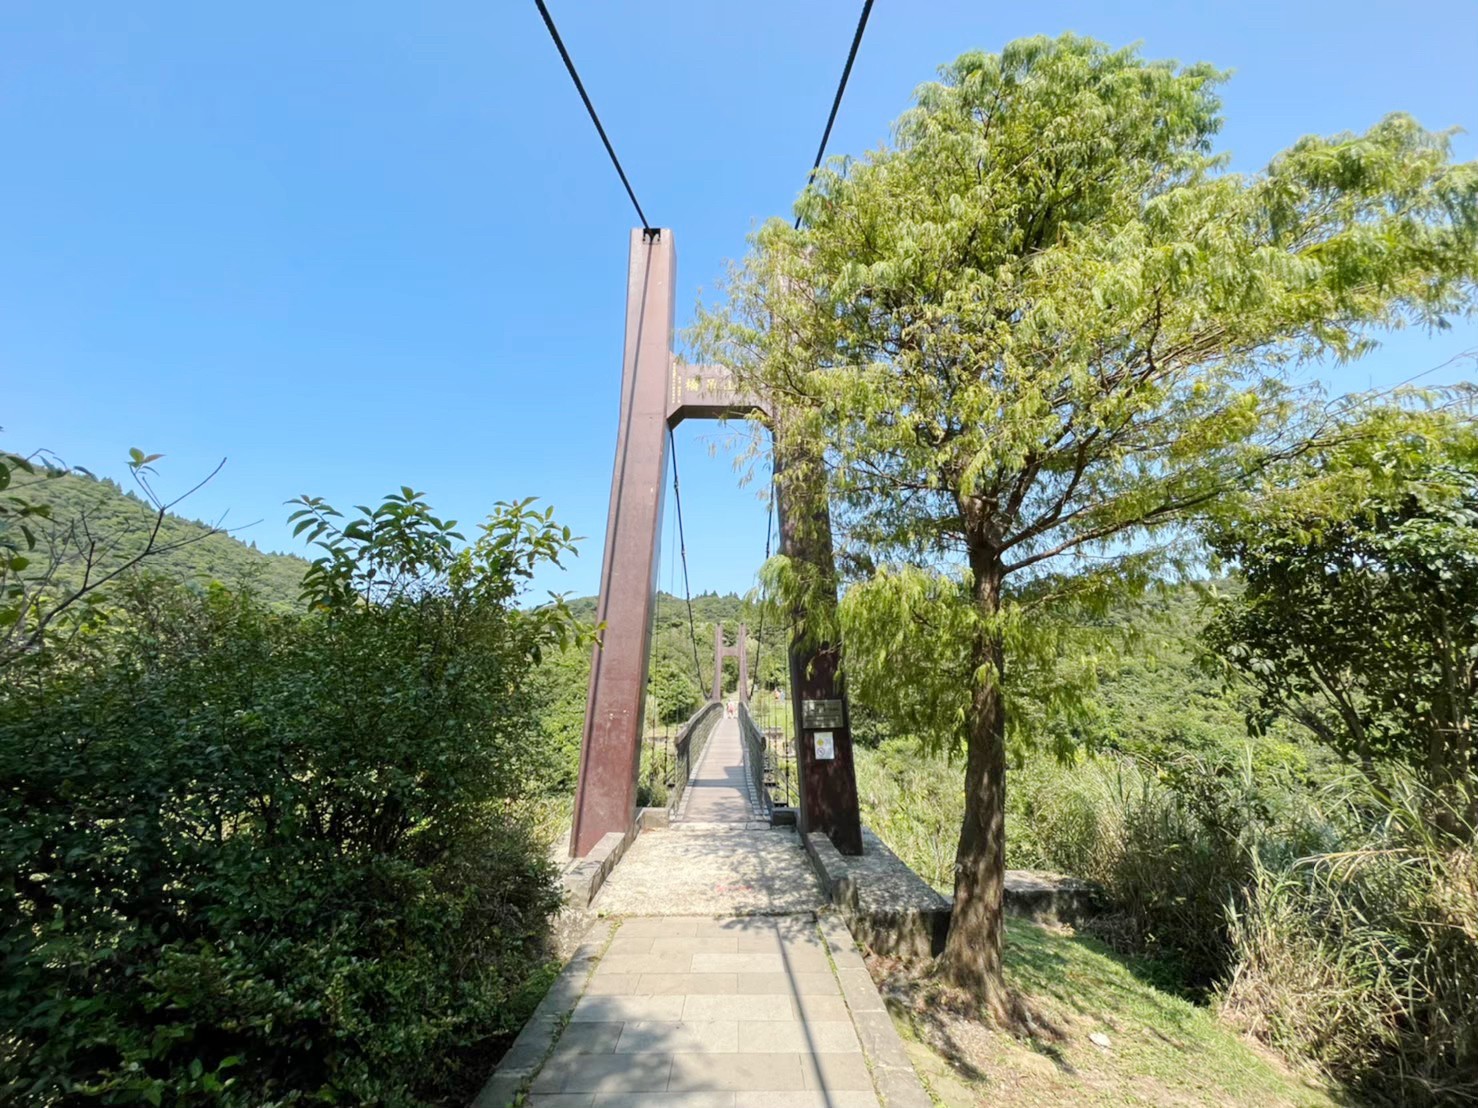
(836, 103)
(589, 107)
(682, 542)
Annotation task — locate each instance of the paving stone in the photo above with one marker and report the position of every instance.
(631, 943)
(848, 960)
(688, 984)
(687, 1037)
(901, 1088)
(765, 942)
(615, 984)
(799, 1037)
(805, 938)
(559, 1100)
(797, 984)
(589, 1038)
(619, 1009)
(837, 935)
(654, 926)
(804, 960)
(740, 926)
(731, 1072)
(647, 963)
(824, 1007)
(880, 1039)
(845, 1072)
(664, 1100)
(812, 1098)
(758, 1007)
(597, 1073)
(861, 993)
(738, 963)
(698, 944)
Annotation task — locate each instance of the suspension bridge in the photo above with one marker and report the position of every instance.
(714, 974)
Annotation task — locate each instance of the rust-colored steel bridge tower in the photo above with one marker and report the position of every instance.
(658, 393)
(739, 652)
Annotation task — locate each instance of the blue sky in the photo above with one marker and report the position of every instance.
(353, 246)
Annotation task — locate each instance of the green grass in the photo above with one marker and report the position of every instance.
(1162, 1049)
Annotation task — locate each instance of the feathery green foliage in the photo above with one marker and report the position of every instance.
(1040, 333)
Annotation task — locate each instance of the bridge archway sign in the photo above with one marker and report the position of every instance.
(658, 393)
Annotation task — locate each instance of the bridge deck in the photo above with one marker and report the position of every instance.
(719, 791)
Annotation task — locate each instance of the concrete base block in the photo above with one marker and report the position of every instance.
(893, 910)
(888, 907)
(654, 819)
(583, 877)
(1052, 897)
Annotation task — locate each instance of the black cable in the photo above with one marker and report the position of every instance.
(682, 543)
(837, 102)
(589, 107)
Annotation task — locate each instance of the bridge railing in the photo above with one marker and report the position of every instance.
(688, 747)
(754, 756)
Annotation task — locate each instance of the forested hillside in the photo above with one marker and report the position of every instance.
(192, 552)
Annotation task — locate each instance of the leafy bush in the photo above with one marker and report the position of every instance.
(255, 859)
(1359, 620)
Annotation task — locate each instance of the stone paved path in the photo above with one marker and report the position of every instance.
(711, 1013)
(715, 869)
(721, 987)
(718, 858)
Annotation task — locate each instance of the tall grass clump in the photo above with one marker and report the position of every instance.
(915, 802)
(1365, 960)
(1174, 847)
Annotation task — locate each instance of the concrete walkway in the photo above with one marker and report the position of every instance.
(713, 869)
(725, 985)
(711, 1013)
(720, 857)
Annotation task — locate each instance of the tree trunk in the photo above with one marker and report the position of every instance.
(972, 952)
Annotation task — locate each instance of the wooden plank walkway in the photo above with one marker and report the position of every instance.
(719, 790)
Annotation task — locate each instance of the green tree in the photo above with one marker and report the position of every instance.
(1359, 619)
(1036, 334)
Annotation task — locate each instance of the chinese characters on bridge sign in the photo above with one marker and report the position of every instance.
(821, 713)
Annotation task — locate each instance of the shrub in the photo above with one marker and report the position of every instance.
(253, 859)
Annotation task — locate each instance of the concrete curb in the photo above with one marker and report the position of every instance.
(887, 906)
(520, 1065)
(583, 877)
(893, 1076)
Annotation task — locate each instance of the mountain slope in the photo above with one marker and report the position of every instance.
(120, 523)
